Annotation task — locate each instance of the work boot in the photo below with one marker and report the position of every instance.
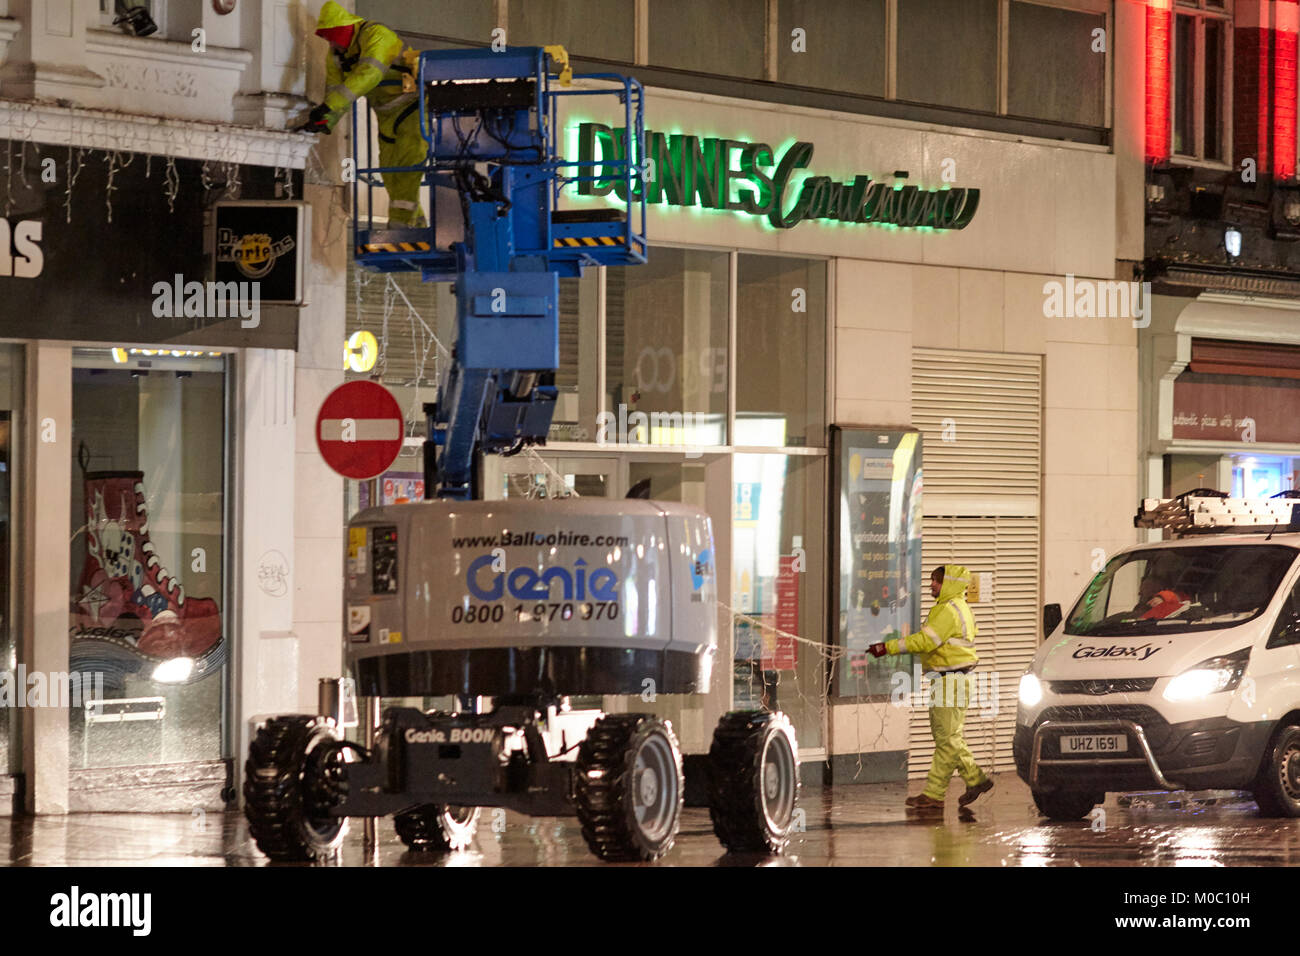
(973, 793)
(923, 801)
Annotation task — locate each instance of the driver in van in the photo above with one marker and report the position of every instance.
(1157, 595)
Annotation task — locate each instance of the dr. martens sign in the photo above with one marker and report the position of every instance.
(264, 242)
(751, 179)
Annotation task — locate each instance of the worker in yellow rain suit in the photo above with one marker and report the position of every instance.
(369, 60)
(947, 647)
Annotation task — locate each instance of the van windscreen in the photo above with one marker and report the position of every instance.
(1176, 590)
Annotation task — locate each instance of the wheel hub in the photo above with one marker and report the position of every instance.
(325, 784)
(460, 816)
(1289, 772)
(778, 782)
(647, 788)
(771, 781)
(654, 788)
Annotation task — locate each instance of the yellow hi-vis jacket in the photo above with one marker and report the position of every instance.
(947, 641)
(373, 56)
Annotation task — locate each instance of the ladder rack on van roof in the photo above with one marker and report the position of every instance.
(1205, 511)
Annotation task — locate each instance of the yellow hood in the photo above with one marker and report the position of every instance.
(332, 15)
(955, 581)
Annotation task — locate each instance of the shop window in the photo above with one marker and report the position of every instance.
(877, 522)
(723, 36)
(1199, 79)
(833, 45)
(777, 566)
(666, 351)
(1056, 71)
(472, 20)
(948, 53)
(596, 28)
(149, 625)
(780, 313)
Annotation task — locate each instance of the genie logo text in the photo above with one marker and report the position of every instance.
(528, 584)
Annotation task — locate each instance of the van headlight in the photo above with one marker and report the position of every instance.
(1031, 690)
(1213, 676)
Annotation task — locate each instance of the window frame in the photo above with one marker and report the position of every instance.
(1102, 8)
(1198, 11)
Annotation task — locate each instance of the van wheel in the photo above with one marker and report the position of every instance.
(1277, 787)
(1066, 804)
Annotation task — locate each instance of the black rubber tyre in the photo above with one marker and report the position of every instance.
(290, 779)
(1066, 805)
(628, 787)
(753, 781)
(437, 827)
(1277, 786)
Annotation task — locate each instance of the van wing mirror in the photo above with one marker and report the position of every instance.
(1051, 618)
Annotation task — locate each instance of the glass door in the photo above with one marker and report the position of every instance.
(149, 623)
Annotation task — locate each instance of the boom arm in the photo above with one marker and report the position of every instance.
(489, 121)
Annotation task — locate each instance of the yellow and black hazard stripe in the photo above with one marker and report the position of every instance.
(588, 241)
(393, 247)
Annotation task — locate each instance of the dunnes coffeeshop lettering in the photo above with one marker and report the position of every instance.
(750, 178)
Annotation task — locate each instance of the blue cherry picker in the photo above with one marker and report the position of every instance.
(509, 632)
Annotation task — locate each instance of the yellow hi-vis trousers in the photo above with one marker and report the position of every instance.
(947, 720)
(406, 149)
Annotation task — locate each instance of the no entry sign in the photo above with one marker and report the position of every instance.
(359, 430)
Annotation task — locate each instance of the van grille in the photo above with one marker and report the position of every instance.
(1101, 687)
(1153, 725)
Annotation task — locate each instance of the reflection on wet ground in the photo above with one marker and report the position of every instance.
(847, 826)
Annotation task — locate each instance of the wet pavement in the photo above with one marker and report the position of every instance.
(863, 825)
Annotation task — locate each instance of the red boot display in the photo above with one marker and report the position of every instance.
(125, 593)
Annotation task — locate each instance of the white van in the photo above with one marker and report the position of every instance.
(1178, 668)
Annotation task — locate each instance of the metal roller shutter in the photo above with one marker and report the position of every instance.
(989, 407)
(980, 508)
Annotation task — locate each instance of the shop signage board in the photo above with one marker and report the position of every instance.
(264, 242)
(876, 519)
(754, 179)
(1217, 408)
(359, 430)
(121, 256)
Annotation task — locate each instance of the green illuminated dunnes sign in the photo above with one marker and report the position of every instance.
(751, 179)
